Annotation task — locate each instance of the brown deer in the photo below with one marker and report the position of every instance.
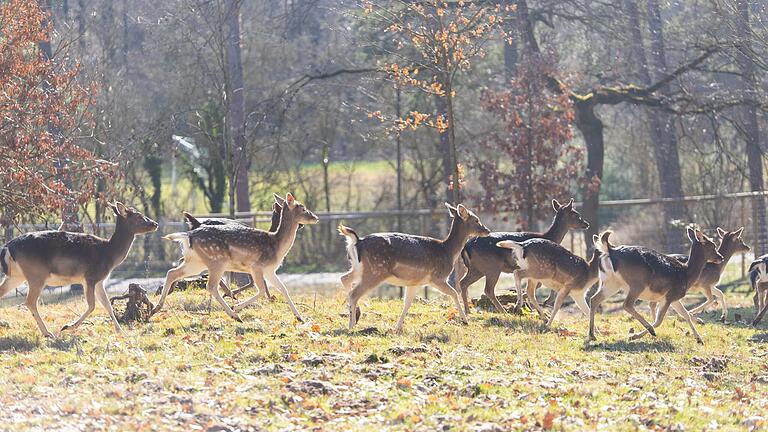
(57, 258)
(730, 244)
(651, 276)
(758, 280)
(483, 259)
(239, 248)
(545, 262)
(407, 260)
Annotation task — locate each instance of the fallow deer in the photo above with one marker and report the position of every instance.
(239, 248)
(407, 260)
(546, 262)
(730, 244)
(758, 280)
(483, 259)
(57, 258)
(651, 276)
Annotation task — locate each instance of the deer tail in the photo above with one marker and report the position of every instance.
(4, 255)
(517, 249)
(351, 238)
(192, 221)
(605, 246)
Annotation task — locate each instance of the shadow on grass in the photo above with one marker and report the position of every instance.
(356, 332)
(631, 346)
(759, 338)
(67, 344)
(18, 344)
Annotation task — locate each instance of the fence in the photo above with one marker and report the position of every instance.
(320, 248)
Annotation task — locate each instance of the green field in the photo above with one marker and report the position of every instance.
(191, 370)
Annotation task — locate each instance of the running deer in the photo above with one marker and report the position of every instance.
(193, 223)
(239, 248)
(483, 259)
(758, 276)
(652, 276)
(407, 260)
(545, 262)
(730, 244)
(57, 258)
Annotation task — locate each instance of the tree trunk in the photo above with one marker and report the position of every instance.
(445, 148)
(591, 128)
(664, 137)
(510, 47)
(236, 107)
(751, 126)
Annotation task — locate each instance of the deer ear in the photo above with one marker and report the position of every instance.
(463, 212)
(276, 207)
(721, 232)
(596, 242)
(700, 235)
(570, 203)
(691, 234)
(290, 200)
(451, 210)
(739, 232)
(278, 199)
(118, 208)
(556, 205)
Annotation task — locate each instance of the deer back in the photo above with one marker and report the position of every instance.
(233, 246)
(548, 261)
(60, 253)
(404, 256)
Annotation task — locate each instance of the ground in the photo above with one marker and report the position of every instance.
(193, 370)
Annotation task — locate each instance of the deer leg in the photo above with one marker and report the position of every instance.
(410, 293)
(518, 285)
(10, 283)
(658, 318)
(256, 275)
(700, 308)
(33, 295)
(273, 279)
(561, 295)
(551, 298)
(761, 312)
(101, 294)
(683, 312)
(90, 299)
(367, 283)
(446, 288)
(469, 278)
(721, 299)
(629, 306)
(214, 276)
(531, 289)
(580, 300)
(184, 269)
(490, 291)
(652, 305)
(604, 291)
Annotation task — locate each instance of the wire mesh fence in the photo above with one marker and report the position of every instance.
(319, 248)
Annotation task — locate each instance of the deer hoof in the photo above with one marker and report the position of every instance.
(652, 331)
(699, 341)
(237, 318)
(300, 319)
(65, 327)
(358, 313)
(722, 319)
(699, 321)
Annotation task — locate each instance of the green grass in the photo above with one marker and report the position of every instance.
(190, 370)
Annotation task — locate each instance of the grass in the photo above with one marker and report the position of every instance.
(191, 370)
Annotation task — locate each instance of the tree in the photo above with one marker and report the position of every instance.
(432, 42)
(43, 105)
(533, 158)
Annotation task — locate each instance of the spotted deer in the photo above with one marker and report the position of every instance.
(483, 259)
(758, 280)
(57, 258)
(545, 262)
(407, 260)
(239, 248)
(649, 275)
(730, 243)
(193, 223)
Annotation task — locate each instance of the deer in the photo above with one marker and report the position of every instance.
(652, 276)
(542, 261)
(58, 258)
(483, 259)
(758, 276)
(239, 248)
(407, 260)
(730, 244)
(193, 223)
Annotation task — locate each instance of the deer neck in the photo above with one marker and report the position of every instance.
(696, 264)
(120, 243)
(286, 232)
(557, 231)
(593, 266)
(727, 253)
(456, 238)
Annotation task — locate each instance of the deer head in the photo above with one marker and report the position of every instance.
(571, 218)
(468, 220)
(296, 210)
(731, 242)
(704, 245)
(132, 220)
